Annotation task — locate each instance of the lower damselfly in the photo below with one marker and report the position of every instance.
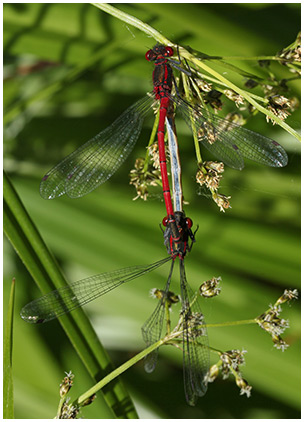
(191, 322)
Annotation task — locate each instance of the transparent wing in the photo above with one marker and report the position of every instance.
(152, 328)
(65, 299)
(195, 344)
(151, 332)
(95, 162)
(229, 141)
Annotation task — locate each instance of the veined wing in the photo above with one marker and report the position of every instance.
(65, 299)
(152, 328)
(195, 344)
(97, 160)
(229, 141)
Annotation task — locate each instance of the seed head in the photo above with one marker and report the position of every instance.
(89, 400)
(222, 201)
(170, 297)
(66, 384)
(287, 296)
(212, 373)
(142, 179)
(232, 95)
(68, 411)
(210, 287)
(244, 386)
(279, 343)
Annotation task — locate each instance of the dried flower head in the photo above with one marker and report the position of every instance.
(279, 343)
(68, 411)
(203, 84)
(210, 175)
(244, 386)
(233, 96)
(170, 297)
(153, 152)
(66, 384)
(196, 324)
(212, 374)
(143, 178)
(287, 296)
(222, 201)
(292, 54)
(271, 322)
(89, 400)
(278, 105)
(210, 287)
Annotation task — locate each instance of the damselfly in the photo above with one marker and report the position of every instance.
(95, 162)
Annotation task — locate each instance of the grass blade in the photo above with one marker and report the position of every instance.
(30, 247)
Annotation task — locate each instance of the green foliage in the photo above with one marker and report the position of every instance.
(70, 70)
(8, 385)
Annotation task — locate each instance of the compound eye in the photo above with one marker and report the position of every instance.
(169, 51)
(165, 221)
(150, 55)
(189, 223)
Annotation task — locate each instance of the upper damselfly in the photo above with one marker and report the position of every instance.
(95, 162)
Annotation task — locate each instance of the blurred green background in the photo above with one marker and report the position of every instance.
(254, 247)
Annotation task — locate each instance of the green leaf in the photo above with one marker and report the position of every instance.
(29, 245)
(8, 387)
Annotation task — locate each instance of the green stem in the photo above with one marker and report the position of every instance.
(151, 140)
(118, 371)
(253, 58)
(137, 23)
(8, 384)
(195, 138)
(231, 323)
(185, 54)
(60, 404)
(106, 380)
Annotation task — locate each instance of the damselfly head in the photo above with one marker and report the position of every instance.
(159, 50)
(180, 220)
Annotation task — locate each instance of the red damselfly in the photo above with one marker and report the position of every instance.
(192, 322)
(192, 326)
(95, 162)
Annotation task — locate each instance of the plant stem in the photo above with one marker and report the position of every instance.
(137, 23)
(194, 132)
(117, 372)
(231, 323)
(151, 140)
(184, 53)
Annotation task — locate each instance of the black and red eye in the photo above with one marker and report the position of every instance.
(169, 51)
(165, 221)
(189, 223)
(150, 56)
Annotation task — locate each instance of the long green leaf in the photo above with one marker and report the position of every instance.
(8, 387)
(29, 245)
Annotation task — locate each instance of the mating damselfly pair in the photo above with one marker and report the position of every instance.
(96, 161)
